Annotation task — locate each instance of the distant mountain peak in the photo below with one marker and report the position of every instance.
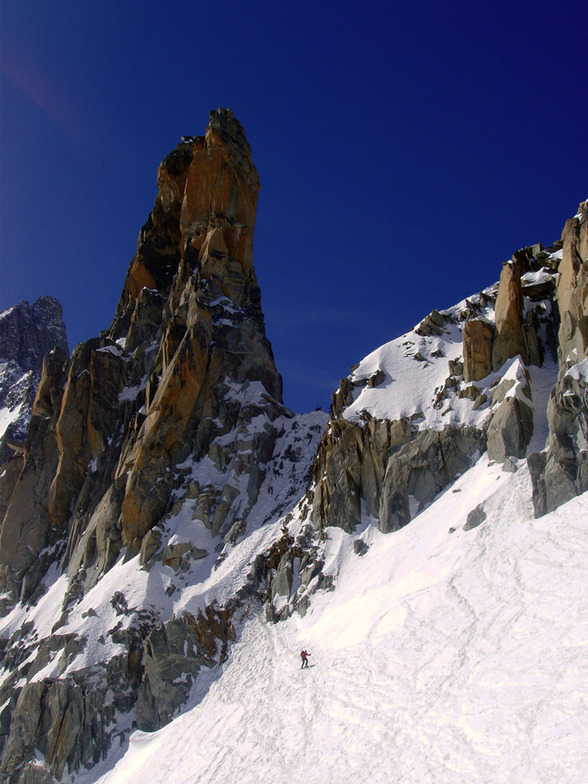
(27, 334)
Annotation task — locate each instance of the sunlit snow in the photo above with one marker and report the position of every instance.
(442, 656)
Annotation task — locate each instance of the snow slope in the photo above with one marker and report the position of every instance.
(443, 656)
(216, 577)
(415, 368)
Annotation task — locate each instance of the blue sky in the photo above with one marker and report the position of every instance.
(405, 151)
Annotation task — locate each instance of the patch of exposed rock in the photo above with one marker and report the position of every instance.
(387, 467)
(525, 320)
(561, 471)
(174, 654)
(28, 534)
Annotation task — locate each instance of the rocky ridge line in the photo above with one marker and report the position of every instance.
(561, 471)
(392, 467)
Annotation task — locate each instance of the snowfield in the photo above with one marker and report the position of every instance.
(444, 655)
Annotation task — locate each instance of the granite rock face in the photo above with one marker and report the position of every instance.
(478, 339)
(524, 322)
(508, 317)
(392, 467)
(388, 467)
(164, 438)
(165, 381)
(175, 652)
(561, 471)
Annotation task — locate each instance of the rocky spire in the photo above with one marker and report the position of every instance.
(186, 347)
(163, 438)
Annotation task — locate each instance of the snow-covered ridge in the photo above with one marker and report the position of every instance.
(414, 368)
(419, 376)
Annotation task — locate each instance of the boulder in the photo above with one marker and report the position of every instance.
(431, 325)
(377, 378)
(180, 556)
(150, 545)
(475, 518)
(510, 430)
(281, 584)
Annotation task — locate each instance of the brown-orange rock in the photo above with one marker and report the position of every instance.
(478, 336)
(572, 288)
(156, 387)
(158, 249)
(510, 339)
(213, 325)
(222, 183)
(27, 529)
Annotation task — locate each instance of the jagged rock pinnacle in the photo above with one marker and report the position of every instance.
(188, 328)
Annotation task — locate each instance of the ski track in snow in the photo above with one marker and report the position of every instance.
(440, 658)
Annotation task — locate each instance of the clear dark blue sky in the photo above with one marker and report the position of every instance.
(405, 151)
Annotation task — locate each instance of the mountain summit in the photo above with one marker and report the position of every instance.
(187, 346)
(171, 519)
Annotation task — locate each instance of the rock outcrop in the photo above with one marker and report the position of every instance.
(388, 468)
(508, 317)
(524, 321)
(510, 429)
(391, 468)
(28, 532)
(561, 471)
(478, 339)
(175, 652)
